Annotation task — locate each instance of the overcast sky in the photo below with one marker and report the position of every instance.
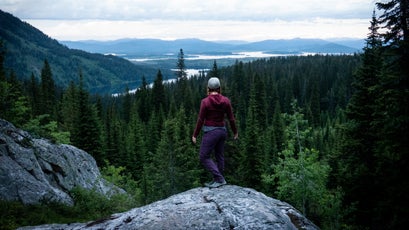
(249, 20)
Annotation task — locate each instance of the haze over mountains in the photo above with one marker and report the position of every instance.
(193, 46)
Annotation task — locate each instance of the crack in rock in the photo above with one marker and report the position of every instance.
(207, 200)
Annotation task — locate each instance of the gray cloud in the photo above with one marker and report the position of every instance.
(261, 10)
(206, 19)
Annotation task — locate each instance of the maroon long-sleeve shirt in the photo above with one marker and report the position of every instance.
(212, 112)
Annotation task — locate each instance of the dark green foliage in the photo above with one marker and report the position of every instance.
(142, 104)
(350, 148)
(34, 95)
(47, 93)
(15, 214)
(16, 104)
(251, 156)
(301, 176)
(175, 167)
(158, 93)
(357, 160)
(43, 126)
(373, 161)
(148, 133)
(86, 133)
(180, 66)
(126, 106)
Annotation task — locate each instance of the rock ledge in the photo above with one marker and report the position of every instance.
(227, 207)
(36, 170)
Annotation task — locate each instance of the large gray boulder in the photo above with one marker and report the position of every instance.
(36, 170)
(226, 207)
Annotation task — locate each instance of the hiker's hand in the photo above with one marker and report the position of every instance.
(236, 136)
(194, 140)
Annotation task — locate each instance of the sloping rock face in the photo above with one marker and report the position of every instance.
(226, 207)
(35, 170)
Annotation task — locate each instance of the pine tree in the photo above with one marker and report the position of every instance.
(20, 110)
(34, 95)
(87, 134)
(300, 175)
(394, 85)
(181, 67)
(357, 161)
(288, 95)
(158, 93)
(143, 102)
(391, 120)
(154, 126)
(374, 159)
(136, 147)
(5, 86)
(111, 141)
(164, 172)
(126, 106)
(214, 72)
(2, 57)
(47, 93)
(70, 107)
(261, 101)
(251, 157)
(395, 21)
(314, 104)
(183, 94)
(160, 173)
(239, 93)
(278, 125)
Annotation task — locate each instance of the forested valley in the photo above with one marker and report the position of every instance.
(326, 133)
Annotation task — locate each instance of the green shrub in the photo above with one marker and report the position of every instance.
(41, 126)
(117, 176)
(14, 214)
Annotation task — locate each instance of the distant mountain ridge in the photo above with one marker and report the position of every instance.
(147, 47)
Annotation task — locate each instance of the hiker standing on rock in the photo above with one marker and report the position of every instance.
(213, 109)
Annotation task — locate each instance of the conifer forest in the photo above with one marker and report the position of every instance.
(326, 133)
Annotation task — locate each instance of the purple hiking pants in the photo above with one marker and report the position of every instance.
(213, 140)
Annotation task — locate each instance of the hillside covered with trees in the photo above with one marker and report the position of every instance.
(28, 47)
(325, 133)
